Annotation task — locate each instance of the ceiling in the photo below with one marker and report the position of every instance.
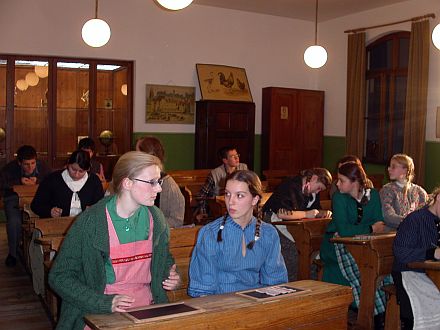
(300, 9)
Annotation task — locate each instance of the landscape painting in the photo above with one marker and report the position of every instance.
(170, 104)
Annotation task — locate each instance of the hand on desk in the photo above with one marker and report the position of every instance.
(56, 212)
(29, 181)
(121, 302)
(437, 253)
(173, 280)
(378, 227)
(324, 214)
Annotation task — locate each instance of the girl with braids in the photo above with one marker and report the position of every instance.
(418, 239)
(296, 198)
(356, 211)
(400, 197)
(237, 251)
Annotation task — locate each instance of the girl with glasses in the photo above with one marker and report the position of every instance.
(401, 197)
(237, 251)
(116, 254)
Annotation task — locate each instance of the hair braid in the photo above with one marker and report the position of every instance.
(222, 226)
(257, 235)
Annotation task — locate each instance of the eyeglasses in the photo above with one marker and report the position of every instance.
(234, 156)
(153, 182)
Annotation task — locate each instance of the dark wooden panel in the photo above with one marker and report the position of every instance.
(221, 123)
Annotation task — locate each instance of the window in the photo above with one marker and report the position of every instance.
(387, 71)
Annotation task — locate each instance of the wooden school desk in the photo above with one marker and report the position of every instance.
(374, 257)
(308, 235)
(324, 306)
(431, 267)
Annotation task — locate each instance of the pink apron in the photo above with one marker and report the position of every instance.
(132, 264)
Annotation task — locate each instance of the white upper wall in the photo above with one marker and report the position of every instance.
(333, 77)
(165, 45)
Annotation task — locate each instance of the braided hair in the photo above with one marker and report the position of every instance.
(255, 188)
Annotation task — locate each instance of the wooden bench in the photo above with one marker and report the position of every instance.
(274, 178)
(182, 242)
(52, 231)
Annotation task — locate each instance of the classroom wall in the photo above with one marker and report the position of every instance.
(166, 46)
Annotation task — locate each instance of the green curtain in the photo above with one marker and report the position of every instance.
(416, 97)
(356, 68)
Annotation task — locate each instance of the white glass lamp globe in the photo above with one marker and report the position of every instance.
(96, 32)
(174, 4)
(436, 36)
(124, 89)
(22, 84)
(315, 56)
(32, 78)
(41, 71)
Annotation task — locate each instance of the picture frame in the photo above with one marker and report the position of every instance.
(168, 104)
(222, 82)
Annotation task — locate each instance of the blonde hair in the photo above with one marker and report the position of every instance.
(130, 165)
(406, 162)
(433, 196)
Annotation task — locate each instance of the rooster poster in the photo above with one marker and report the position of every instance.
(222, 82)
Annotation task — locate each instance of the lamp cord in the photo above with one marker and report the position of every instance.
(316, 23)
(96, 9)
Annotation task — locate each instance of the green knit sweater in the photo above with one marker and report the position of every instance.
(78, 273)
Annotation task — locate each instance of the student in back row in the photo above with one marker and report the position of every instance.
(216, 180)
(25, 170)
(69, 191)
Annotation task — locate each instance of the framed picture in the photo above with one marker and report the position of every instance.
(170, 104)
(222, 82)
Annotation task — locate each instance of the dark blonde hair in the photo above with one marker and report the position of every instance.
(407, 163)
(433, 196)
(130, 165)
(355, 173)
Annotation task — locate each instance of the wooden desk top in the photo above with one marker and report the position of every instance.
(362, 239)
(234, 311)
(431, 267)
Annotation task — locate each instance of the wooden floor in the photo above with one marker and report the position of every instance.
(20, 307)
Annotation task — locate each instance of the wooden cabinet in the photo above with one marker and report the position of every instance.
(292, 129)
(222, 123)
(77, 98)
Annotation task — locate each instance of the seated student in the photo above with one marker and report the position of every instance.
(356, 210)
(216, 180)
(87, 144)
(342, 161)
(401, 197)
(238, 251)
(170, 200)
(25, 170)
(296, 198)
(69, 191)
(116, 256)
(418, 239)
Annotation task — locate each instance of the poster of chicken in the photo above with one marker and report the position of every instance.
(222, 82)
(170, 104)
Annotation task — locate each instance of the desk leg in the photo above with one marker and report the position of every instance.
(365, 260)
(302, 242)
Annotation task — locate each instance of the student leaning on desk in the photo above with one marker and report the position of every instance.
(116, 254)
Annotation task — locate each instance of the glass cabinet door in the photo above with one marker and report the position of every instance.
(111, 109)
(72, 108)
(30, 115)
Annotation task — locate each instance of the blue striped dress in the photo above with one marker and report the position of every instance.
(220, 267)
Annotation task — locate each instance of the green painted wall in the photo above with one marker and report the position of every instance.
(179, 149)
